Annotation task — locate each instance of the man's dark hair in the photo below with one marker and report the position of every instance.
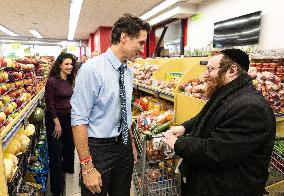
(131, 25)
(226, 63)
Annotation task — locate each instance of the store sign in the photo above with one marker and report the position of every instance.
(27, 50)
(11, 55)
(72, 48)
(15, 46)
(196, 17)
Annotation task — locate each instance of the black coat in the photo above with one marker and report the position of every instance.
(229, 143)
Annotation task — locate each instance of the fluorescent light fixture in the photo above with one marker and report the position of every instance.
(7, 31)
(75, 9)
(162, 6)
(36, 33)
(173, 13)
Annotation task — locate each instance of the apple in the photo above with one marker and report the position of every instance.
(1, 104)
(6, 99)
(18, 102)
(21, 90)
(29, 88)
(12, 85)
(5, 76)
(6, 111)
(3, 89)
(10, 107)
(14, 104)
(17, 92)
(12, 94)
(15, 114)
(2, 117)
(20, 75)
(3, 63)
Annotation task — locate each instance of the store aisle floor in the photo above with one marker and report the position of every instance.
(72, 187)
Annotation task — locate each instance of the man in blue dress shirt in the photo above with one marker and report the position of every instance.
(106, 159)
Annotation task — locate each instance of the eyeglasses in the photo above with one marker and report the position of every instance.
(210, 69)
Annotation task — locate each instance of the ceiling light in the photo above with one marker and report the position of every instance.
(36, 33)
(158, 8)
(173, 13)
(7, 31)
(75, 9)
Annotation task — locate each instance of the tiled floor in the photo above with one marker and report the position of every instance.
(72, 187)
(72, 180)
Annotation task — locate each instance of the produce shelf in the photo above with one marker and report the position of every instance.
(170, 96)
(10, 130)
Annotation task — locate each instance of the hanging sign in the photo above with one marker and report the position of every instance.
(16, 46)
(27, 50)
(72, 48)
(196, 17)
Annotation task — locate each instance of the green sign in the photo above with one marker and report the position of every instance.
(27, 50)
(72, 48)
(16, 46)
(196, 17)
(11, 55)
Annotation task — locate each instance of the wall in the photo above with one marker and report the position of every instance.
(200, 31)
(102, 39)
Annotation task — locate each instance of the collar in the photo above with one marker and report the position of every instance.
(115, 62)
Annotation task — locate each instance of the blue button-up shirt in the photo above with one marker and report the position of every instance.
(96, 101)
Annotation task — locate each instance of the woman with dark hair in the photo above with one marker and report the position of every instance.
(58, 92)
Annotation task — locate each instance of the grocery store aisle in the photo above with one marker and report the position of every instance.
(72, 187)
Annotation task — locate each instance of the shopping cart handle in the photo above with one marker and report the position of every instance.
(149, 137)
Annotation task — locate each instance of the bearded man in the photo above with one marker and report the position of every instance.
(226, 148)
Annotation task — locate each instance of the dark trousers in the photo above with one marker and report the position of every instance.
(61, 151)
(115, 163)
(184, 186)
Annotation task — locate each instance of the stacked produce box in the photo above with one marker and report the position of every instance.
(143, 75)
(267, 83)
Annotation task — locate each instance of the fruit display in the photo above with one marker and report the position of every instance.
(143, 73)
(266, 82)
(195, 88)
(274, 66)
(44, 67)
(167, 85)
(271, 88)
(18, 145)
(18, 85)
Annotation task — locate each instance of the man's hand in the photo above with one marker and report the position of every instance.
(169, 139)
(177, 130)
(93, 181)
(57, 131)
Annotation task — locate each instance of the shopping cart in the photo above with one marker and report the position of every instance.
(154, 173)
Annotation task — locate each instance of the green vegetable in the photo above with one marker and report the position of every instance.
(155, 126)
(162, 127)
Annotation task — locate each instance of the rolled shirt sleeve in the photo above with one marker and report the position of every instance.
(85, 93)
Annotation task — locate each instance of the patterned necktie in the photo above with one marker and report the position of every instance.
(122, 94)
